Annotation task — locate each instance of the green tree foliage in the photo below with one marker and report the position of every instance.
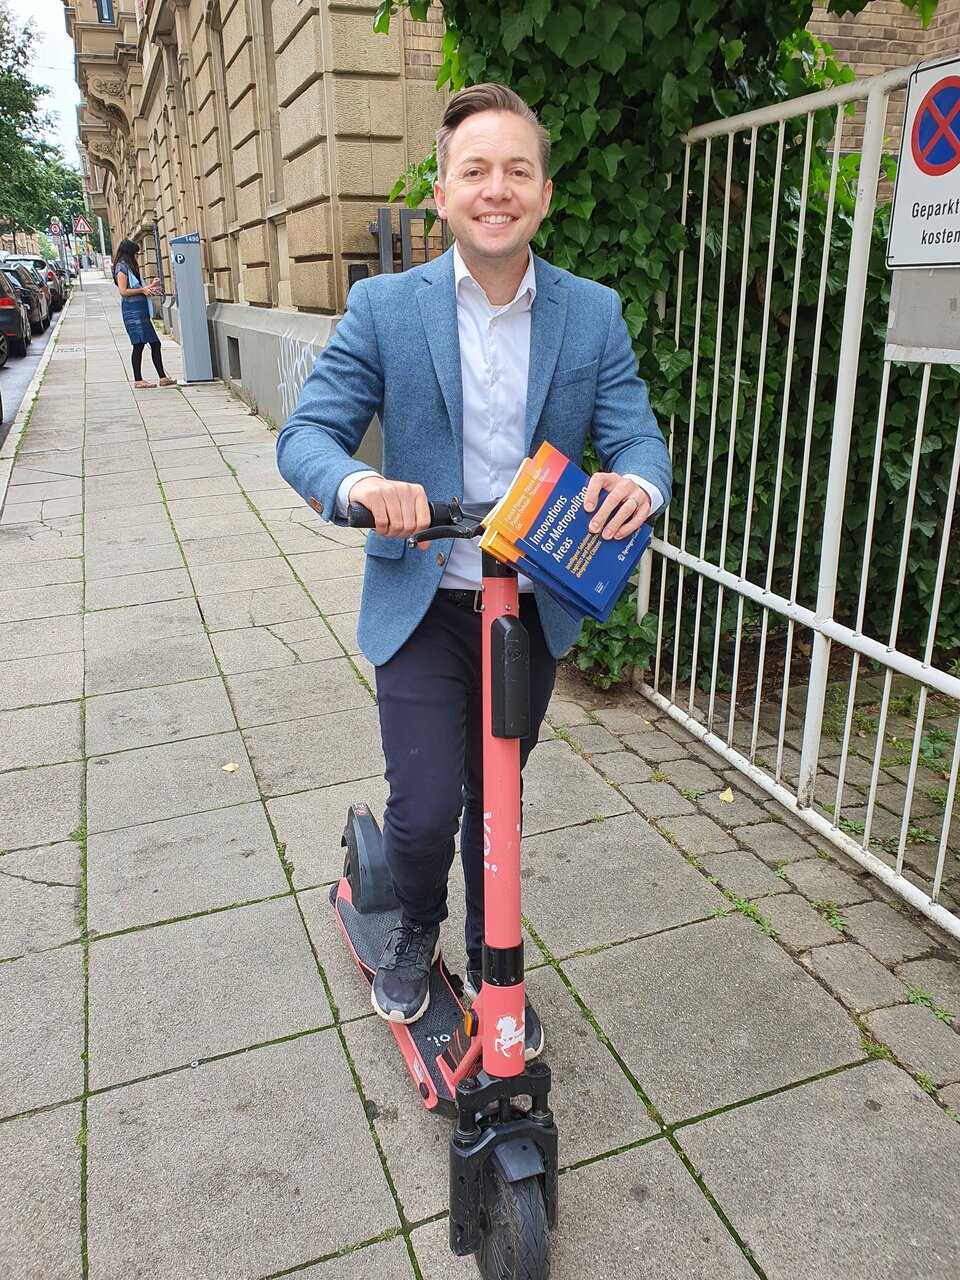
(35, 183)
(618, 86)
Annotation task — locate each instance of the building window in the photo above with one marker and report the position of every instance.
(105, 10)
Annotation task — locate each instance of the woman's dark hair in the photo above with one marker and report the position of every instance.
(126, 255)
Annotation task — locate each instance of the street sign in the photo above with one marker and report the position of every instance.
(82, 227)
(56, 228)
(925, 218)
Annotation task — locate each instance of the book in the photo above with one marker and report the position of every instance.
(539, 527)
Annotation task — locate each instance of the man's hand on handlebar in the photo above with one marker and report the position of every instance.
(400, 510)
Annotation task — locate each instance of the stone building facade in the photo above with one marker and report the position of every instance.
(274, 128)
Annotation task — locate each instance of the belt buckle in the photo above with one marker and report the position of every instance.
(478, 600)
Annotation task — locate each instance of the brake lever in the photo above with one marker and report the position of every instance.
(459, 530)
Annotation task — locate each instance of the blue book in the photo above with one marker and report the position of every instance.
(540, 527)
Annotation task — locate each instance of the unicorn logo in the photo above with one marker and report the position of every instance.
(510, 1034)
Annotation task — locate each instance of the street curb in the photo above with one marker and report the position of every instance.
(9, 451)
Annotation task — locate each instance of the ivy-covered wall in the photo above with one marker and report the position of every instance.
(618, 86)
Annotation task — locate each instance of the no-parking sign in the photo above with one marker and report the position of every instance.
(925, 219)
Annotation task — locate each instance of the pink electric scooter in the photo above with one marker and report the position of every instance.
(470, 1063)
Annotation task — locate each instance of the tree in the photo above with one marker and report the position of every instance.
(21, 120)
(35, 182)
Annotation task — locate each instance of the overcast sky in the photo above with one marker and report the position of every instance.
(53, 67)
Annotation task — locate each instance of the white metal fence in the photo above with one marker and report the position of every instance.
(808, 586)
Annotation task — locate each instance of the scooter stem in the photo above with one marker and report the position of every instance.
(506, 719)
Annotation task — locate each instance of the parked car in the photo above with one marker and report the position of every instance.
(64, 276)
(45, 270)
(14, 315)
(34, 292)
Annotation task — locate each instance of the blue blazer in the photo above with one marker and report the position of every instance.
(396, 353)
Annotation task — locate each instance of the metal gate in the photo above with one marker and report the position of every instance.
(807, 587)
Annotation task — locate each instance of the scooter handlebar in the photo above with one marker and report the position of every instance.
(447, 520)
(361, 517)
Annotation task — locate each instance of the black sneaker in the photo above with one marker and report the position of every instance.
(401, 985)
(472, 981)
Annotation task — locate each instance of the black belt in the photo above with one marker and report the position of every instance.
(472, 601)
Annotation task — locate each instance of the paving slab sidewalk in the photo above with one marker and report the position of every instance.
(756, 1052)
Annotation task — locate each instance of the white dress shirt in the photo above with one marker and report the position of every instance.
(494, 367)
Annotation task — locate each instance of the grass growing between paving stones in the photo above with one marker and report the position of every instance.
(926, 1083)
(391, 1234)
(337, 1024)
(666, 1130)
(80, 836)
(745, 908)
(923, 998)
(830, 913)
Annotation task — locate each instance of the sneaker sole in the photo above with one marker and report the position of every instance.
(394, 1015)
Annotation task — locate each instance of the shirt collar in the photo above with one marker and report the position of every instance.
(528, 285)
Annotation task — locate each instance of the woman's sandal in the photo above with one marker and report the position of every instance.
(141, 385)
(168, 382)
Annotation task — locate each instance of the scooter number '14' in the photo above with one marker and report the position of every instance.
(487, 844)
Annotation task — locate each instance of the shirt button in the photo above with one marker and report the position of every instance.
(441, 558)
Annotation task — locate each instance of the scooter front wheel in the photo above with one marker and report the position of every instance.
(515, 1240)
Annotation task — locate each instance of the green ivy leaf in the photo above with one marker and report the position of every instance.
(516, 27)
(612, 156)
(662, 17)
(589, 120)
(612, 57)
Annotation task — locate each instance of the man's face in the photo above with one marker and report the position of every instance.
(494, 195)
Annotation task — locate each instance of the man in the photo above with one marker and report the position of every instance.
(471, 362)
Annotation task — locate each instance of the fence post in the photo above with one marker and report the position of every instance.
(849, 360)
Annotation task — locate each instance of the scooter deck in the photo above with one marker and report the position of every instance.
(421, 1042)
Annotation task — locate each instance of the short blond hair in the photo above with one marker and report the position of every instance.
(487, 97)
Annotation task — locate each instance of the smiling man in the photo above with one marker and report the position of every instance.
(471, 362)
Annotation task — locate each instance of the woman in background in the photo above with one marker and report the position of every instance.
(137, 316)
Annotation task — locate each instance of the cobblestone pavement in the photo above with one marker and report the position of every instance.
(756, 1057)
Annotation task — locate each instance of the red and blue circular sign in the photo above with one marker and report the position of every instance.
(935, 141)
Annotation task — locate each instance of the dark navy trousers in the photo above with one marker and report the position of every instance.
(430, 721)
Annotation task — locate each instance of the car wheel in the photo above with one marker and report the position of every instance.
(4, 349)
(18, 346)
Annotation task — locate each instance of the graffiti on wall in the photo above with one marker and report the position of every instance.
(294, 362)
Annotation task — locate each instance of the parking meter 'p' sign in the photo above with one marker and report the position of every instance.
(179, 259)
(925, 218)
